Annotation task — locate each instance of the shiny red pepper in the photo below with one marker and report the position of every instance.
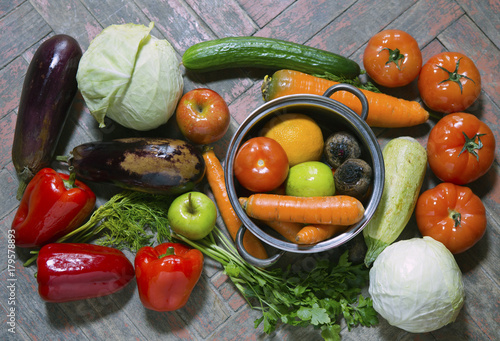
(166, 275)
(53, 205)
(76, 271)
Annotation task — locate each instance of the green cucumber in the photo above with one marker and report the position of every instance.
(268, 53)
(405, 162)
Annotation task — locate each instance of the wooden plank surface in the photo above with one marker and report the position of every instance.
(216, 311)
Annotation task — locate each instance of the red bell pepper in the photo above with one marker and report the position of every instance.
(76, 271)
(52, 205)
(166, 275)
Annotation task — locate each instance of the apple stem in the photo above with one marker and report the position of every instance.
(170, 251)
(190, 206)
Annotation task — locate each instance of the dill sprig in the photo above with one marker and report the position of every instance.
(130, 219)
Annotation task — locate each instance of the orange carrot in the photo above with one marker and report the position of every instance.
(286, 229)
(384, 111)
(336, 209)
(289, 230)
(215, 178)
(312, 234)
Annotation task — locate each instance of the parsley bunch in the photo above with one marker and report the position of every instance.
(319, 297)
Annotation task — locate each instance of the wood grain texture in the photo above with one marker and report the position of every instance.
(486, 14)
(216, 310)
(11, 84)
(357, 24)
(314, 16)
(20, 29)
(69, 17)
(264, 11)
(225, 18)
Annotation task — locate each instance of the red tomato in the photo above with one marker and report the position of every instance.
(261, 164)
(392, 58)
(449, 82)
(461, 148)
(452, 215)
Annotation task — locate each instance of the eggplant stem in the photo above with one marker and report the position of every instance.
(63, 158)
(24, 178)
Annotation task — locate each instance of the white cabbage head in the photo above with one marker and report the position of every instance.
(131, 77)
(416, 285)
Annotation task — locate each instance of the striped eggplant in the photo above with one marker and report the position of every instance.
(152, 165)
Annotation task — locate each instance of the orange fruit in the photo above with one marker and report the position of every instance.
(298, 134)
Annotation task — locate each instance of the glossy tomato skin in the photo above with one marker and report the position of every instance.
(392, 58)
(448, 159)
(261, 164)
(446, 88)
(451, 214)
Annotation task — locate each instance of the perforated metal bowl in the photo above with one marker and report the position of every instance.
(331, 116)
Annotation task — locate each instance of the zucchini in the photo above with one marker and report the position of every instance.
(405, 163)
(268, 53)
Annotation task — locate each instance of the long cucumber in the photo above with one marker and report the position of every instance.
(268, 53)
(405, 163)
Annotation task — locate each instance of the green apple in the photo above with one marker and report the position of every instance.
(192, 215)
(310, 179)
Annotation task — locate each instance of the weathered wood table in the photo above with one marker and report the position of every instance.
(216, 311)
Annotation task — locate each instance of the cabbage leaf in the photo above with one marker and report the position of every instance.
(131, 77)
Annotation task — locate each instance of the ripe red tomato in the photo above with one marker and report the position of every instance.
(261, 164)
(460, 148)
(392, 58)
(452, 215)
(449, 82)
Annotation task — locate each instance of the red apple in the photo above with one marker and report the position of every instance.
(202, 116)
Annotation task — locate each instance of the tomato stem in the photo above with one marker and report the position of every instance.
(455, 76)
(471, 146)
(395, 56)
(456, 216)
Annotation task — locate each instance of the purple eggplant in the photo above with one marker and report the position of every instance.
(48, 92)
(153, 165)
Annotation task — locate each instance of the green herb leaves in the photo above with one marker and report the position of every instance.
(319, 298)
(128, 220)
(315, 314)
(364, 85)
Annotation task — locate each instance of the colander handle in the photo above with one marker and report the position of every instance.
(261, 263)
(353, 90)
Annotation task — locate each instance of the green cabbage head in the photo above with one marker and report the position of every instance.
(131, 77)
(416, 285)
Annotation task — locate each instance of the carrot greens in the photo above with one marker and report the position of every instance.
(357, 82)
